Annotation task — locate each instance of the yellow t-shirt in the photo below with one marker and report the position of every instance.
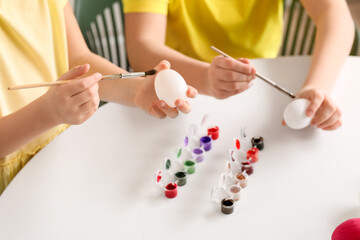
(33, 48)
(242, 28)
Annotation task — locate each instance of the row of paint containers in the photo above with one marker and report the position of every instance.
(184, 161)
(238, 168)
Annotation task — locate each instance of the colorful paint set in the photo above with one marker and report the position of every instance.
(238, 168)
(184, 162)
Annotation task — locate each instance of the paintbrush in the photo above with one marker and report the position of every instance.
(270, 82)
(104, 78)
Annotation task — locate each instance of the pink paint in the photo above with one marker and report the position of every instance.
(171, 190)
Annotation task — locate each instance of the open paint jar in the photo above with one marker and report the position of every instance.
(171, 190)
(227, 206)
(189, 166)
(180, 178)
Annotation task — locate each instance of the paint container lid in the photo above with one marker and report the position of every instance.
(217, 194)
(231, 155)
(164, 178)
(158, 176)
(204, 120)
(237, 144)
(167, 164)
(228, 167)
(178, 152)
(192, 131)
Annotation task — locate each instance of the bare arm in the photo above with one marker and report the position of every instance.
(21, 127)
(133, 92)
(145, 40)
(335, 34)
(334, 37)
(71, 103)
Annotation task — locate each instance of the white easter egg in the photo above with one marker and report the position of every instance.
(170, 86)
(294, 114)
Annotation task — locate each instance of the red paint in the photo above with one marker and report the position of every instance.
(247, 167)
(348, 230)
(253, 154)
(237, 144)
(213, 132)
(171, 190)
(158, 177)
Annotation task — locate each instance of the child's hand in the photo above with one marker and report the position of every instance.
(74, 102)
(227, 77)
(146, 98)
(324, 112)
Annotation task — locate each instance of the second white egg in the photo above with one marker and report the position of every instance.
(170, 86)
(294, 114)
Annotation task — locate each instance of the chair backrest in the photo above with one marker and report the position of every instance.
(102, 25)
(299, 31)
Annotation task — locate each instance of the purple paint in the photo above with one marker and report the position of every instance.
(186, 141)
(205, 142)
(198, 154)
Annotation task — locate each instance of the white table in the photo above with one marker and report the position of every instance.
(96, 181)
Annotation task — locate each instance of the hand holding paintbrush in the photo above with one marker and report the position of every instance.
(104, 78)
(265, 79)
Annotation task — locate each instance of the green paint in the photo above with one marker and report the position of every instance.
(179, 152)
(189, 166)
(168, 164)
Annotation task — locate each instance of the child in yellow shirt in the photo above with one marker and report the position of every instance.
(183, 31)
(39, 41)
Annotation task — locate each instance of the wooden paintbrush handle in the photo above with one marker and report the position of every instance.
(35, 85)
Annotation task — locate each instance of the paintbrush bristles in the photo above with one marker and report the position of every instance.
(150, 72)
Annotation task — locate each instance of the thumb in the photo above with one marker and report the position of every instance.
(162, 66)
(75, 72)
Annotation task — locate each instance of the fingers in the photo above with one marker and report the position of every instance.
(75, 72)
(332, 120)
(314, 105)
(87, 95)
(162, 66)
(232, 76)
(326, 111)
(334, 126)
(191, 92)
(183, 106)
(166, 109)
(230, 64)
(80, 85)
(228, 77)
(156, 111)
(160, 109)
(233, 86)
(90, 106)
